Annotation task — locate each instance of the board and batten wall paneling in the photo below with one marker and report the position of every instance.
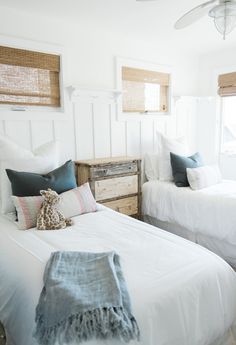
(91, 129)
(84, 129)
(20, 132)
(42, 132)
(118, 134)
(102, 129)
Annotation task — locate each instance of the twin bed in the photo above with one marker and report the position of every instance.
(182, 294)
(206, 216)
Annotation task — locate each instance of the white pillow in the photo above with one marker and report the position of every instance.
(203, 177)
(151, 167)
(165, 146)
(46, 159)
(10, 150)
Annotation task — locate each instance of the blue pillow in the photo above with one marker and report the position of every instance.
(30, 184)
(179, 165)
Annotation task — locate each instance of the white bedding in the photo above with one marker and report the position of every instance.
(210, 211)
(181, 293)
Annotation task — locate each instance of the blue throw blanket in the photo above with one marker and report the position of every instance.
(84, 297)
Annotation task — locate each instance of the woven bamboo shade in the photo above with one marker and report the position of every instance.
(135, 90)
(227, 84)
(29, 78)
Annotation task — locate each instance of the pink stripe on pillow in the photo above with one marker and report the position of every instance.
(78, 196)
(25, 212)
(27, 209)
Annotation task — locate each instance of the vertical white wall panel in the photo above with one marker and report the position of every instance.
(42, 132)
(64, 134)
(84, 130)
(102, 129)
(118, 134)
(19, 131)
(147, 136)
(133, 138)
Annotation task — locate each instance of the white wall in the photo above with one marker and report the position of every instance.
(90, 61)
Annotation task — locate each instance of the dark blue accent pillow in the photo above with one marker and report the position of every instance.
(179, 165)
(30, 184)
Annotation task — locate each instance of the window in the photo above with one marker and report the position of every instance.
(227, 90)
(145, 90)
(29, 78)
(229, 125)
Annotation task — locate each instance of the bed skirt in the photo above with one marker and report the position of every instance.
(222, 248)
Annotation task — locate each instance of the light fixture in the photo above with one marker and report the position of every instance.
(224, 17)
(223, 13)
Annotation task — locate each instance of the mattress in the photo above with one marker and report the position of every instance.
(182, 294)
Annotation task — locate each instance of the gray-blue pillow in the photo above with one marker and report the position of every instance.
(30, 184)
(179, 165)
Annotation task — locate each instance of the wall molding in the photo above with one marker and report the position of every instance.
(77, 93)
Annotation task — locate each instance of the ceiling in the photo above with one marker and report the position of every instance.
(152, 20)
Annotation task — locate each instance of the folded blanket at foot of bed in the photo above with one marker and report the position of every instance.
(84, 297)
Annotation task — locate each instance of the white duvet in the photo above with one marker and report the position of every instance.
(210, 211)
(181, 293)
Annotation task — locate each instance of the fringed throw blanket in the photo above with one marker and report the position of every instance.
(84, 297)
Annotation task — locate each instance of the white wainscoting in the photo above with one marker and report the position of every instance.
(91, 130)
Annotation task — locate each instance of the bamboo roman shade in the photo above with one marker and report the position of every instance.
(29, 78)
(144, 90)
(227, 84)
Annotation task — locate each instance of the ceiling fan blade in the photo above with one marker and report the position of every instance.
(194, 15)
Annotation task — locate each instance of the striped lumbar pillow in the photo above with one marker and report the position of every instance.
(73, 203)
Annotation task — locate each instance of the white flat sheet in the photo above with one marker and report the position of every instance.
(181, 293)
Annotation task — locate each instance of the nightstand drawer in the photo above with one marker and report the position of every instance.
(115, 187)
(113, 169)
(128, 206)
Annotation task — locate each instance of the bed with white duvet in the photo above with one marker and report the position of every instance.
(206, 216)
(181, 293)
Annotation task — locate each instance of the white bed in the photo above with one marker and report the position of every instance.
(206, 216)
(182, 294)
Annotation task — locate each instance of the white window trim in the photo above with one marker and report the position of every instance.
(219, 132)
(8, 111)
(120, 62)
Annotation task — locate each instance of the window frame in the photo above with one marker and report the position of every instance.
(219, 108)
(9, 110)
(123, 62)
(221, 150)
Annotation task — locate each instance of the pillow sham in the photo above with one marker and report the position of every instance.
(9, 148)
(165, 146)
(179, 165)
(44, 159)
(204, 177)
(151, 167)
(30, 184)
(74, 202)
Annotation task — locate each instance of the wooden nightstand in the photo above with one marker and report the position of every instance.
(2, 335)
(115, 182)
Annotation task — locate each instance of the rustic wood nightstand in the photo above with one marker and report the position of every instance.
(115, 182)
